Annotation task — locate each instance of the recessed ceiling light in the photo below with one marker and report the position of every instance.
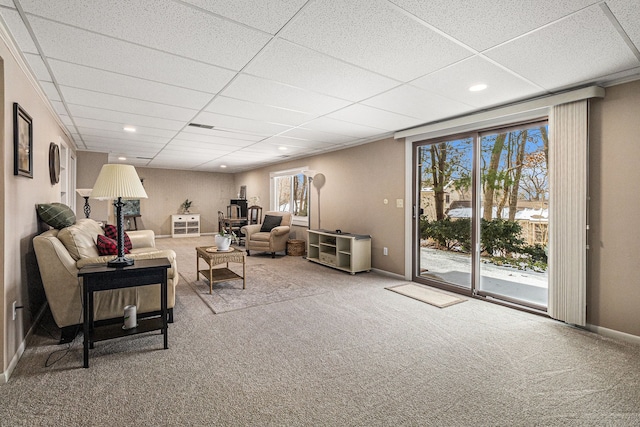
(282, 148)
(478, 87)
(122, 158)
(129, 129)
(223, 166)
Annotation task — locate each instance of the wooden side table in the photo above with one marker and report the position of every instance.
(99, 277)
(216, 275)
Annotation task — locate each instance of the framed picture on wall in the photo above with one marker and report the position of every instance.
(22, 142)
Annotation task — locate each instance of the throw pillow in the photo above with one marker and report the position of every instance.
(56, 215)
(270, 222)
(108, 246)
(111, 231)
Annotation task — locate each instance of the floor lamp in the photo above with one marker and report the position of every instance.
(118, 182)
(85, 193)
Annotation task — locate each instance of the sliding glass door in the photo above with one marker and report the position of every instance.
(445, 220)
(481, 222)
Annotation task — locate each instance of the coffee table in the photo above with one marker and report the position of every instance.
(214, 257)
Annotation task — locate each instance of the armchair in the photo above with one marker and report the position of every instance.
(272, 241)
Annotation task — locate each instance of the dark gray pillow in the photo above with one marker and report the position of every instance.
(56, 215)
(270, 222)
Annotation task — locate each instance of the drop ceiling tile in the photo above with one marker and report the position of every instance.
(369, 116)
(18, 30)
(326, 124)
(136, 120)
(198, 145)
(59, 107)
(127, 105)
(106, 135)
(117, 84)
(117, 127)
(7, 3)
(38, 67)
(379, 38)
(412, 101)
(288, 63)
(266, 15)
(66, 120)
(627, 12)
(453, 82)
(275, 94)
(284, 141)
(585, 47)
(201, 134)
(166, 26)
(174, 163)
(482, 24)
(239, 124)
(94, 50)
(316, 135)
(50, 90)
(246, 109)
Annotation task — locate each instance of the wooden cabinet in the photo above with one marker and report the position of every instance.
(343, 251)
(187, 225)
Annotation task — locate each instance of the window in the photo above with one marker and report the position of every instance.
(290, 193)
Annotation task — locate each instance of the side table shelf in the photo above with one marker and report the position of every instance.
(343, 251)
(100, 277)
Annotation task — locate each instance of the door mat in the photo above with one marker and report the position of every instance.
(427, 295)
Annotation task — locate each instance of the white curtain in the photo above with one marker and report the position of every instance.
(568, 151)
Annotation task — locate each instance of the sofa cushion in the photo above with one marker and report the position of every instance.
(108, 246)
(81, 238)
(270, 222)
(261, 236)
(56, 215)
(111, 231)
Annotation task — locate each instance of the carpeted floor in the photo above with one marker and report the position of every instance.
(355, 355)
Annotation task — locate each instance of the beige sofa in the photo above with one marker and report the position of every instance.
(273, 241)
(61, 253)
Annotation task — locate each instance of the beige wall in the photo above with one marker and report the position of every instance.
(358, 179)
(167, 189)
(613, 293)
(20, 279)
(89, 165)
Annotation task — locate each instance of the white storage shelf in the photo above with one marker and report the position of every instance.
(185, 225)
(347, 252)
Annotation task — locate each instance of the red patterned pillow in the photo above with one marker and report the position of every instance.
(111, 231)
(107, 246)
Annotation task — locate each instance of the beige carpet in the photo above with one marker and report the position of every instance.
(356, 355)
(264, 285)
(425, 294)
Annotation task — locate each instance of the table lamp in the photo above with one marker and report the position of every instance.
(118, 182)
(85, 193)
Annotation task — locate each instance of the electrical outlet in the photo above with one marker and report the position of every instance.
(385, 251)
(13, 309)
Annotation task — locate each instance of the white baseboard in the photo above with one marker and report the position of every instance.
(612, 333)
(4, 377)
(388, 273)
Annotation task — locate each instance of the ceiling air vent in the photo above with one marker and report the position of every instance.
(145, 158)
(199, 125)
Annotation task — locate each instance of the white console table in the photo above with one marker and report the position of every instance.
(187, 225)
(343, 251)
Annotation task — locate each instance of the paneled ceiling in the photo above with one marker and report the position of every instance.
(279, 79)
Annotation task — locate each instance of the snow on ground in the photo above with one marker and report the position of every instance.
(444, 262)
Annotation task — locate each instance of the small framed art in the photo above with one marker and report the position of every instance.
(22, 142)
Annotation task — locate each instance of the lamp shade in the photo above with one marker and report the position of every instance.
(116, 180)
(84, 192)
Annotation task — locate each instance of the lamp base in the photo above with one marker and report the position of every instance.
(120, 262)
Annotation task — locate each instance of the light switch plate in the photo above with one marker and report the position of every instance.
(399, 203)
